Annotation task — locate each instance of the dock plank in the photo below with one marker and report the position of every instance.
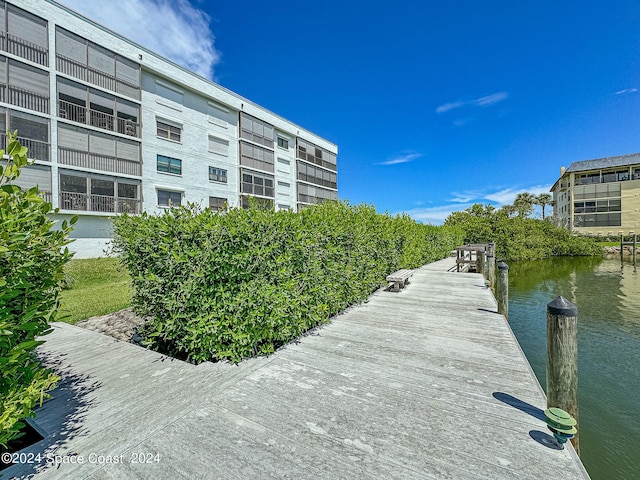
(427, 383)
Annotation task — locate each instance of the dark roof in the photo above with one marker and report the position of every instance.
(609, 162)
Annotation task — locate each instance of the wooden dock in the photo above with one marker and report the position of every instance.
(426, 383)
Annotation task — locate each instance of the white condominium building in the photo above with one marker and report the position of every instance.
(114, 127)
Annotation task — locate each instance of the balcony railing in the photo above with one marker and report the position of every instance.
(95, 118)
(96, 77)
(79, 158)
(36, 150)
(24, 49)
(98, 203)
(24, 98)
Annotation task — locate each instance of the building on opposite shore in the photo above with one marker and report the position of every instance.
(114, 127)
(600, 197)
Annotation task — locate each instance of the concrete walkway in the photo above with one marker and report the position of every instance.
(428, 383)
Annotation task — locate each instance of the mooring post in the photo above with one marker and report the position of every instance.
(562, 358)
(621, 245)
(491, 270)
(502, 289)
(634, 248)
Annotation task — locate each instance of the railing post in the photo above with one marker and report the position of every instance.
(502, 290)
(479, 262)
(562, 358)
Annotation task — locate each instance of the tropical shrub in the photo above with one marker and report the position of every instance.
(32, 256)
(230, 286)
(520, 238)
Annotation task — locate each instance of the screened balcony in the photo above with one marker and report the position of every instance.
(93, 150)
(33, 133)
(82, 59)
(96, 193)
(25, 34)
(76, 111)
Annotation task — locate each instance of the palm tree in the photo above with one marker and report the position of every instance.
(543, 200)
(524, 204)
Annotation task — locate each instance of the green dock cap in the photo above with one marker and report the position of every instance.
(562, 306)
(560, 420)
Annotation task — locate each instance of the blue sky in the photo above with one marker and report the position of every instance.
(434, 105)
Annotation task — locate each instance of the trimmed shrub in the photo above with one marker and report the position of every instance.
(230, 286)
(31, 268)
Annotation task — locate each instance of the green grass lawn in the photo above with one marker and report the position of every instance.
(609, 244)
(100, 286)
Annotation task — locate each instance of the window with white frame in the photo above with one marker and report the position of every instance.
(169, 92)
(257, 184)
(168, 198)
(169, 165)
(283, 142)
(168, 131)
(219, 146)
(217, 175)
(217, 203)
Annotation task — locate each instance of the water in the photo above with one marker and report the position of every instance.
(607, 294)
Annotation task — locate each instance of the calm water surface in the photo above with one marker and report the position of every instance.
(607, 294)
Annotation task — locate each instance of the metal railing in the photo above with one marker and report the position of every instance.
(23, 48)
(95, 118)
(98, 203)
(96, 77)
(24, 98)
(37, 150)
(95, 161)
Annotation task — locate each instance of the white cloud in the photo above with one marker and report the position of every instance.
(450, 106)
(485, 101)
(491, 99)
(173, 28)
(406, 158)
(507, 196)
(435, 215)
(463, 200)
(626, 90)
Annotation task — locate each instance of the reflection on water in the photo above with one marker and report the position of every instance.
(607, 294)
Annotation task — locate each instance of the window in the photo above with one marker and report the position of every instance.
(256, 130)
(219, 146)
(169, 165)
(217, 203)
(217, 175)
(284, 165)
(170, 132)
(169, 92)
(283, 142)
(257, 184)
(256, 157)
(320, 156)
(167, 198)
(319, 176)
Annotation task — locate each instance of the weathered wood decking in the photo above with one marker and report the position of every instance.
(423, 384)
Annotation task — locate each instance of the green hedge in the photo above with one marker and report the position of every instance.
(32, 257)
(230, 286)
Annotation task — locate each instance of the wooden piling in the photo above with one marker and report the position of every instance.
(502, 290)
(562, 358)
(491, 270)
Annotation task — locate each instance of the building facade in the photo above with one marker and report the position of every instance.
(600, 197)
(113, 127)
